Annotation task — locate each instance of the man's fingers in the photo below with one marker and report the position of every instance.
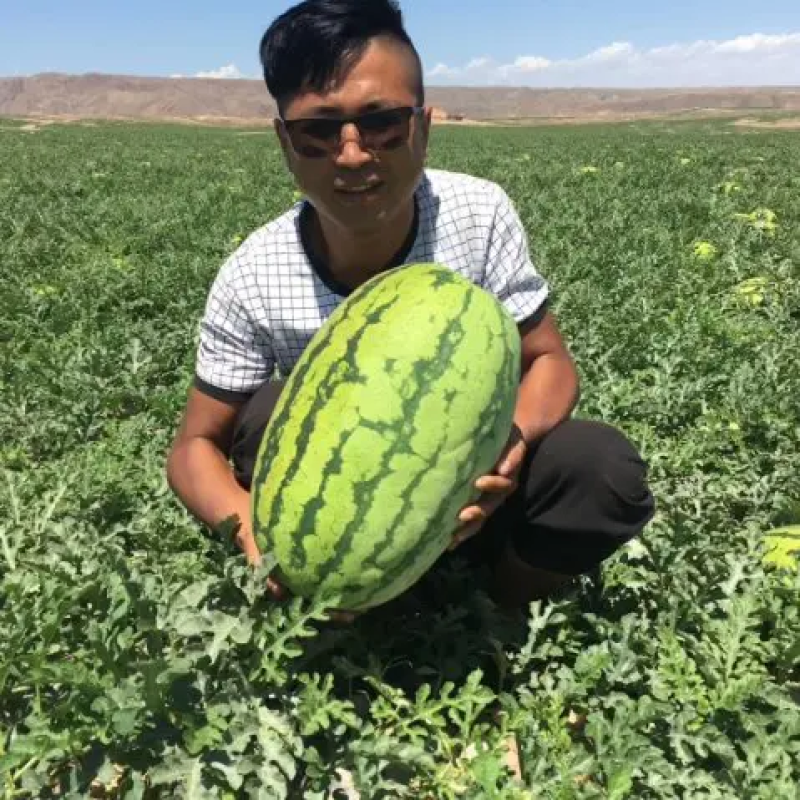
(473, 517)
(482, 509)
(464, 533)
(277, 591)
(475, 514)
(494, 484)
(470, 514)
(510, 463)
(343, 616)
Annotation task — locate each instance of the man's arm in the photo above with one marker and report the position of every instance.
(547, 395)
(198, 470)
(549, 389)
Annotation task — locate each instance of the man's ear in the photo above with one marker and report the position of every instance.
(427, 119)
(286, 146)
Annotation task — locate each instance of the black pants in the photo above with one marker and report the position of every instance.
(582, 493)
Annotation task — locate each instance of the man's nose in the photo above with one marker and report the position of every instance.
(352, 153)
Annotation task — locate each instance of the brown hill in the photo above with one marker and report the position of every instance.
(247, 101)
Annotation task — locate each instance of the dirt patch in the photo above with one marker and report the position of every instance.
(247, 102)
(32, 124)
(467, 122)
(33, 127)
(789, 124)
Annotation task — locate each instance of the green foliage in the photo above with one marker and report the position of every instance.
(141, 657)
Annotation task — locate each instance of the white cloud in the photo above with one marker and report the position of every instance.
(755, 59)
(228, 72)
(617, 51)
(443, 71)
(531, 63)
(758, 42)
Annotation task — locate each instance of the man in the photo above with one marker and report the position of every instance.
(354, 131)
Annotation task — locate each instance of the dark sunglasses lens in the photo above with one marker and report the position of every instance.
(380, 121)
(380, 130)
(313, 138)
(385, 129)
(323, 130)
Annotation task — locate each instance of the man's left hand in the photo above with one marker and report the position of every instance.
(495, 489)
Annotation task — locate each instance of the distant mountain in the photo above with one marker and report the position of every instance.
(247, 101)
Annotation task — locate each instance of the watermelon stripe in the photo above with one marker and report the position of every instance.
(276, 432)
(276, 429)
(332, 467)
(334, 464)
(397, 574)
(444, 518)
(306, 427)
(424, 371)
(277, 426)
(410, 409)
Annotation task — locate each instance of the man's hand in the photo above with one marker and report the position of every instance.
(276, 589)
(547, 395)
(247, 542)
(495, 489)
(199, 473)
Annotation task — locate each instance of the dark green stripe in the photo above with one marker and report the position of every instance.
(327, 384)
(445, 277)
(276, 431)
(453, 335)
(296, 378)
(333, 466)
(353, 305)
(485, 433)
(424, 372)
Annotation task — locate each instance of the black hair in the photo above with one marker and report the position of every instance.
(313, 44)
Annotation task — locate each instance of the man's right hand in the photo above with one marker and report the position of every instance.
(199, 473)
(247, 542)
(274, 586)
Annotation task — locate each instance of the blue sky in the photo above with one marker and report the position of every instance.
(468, 42)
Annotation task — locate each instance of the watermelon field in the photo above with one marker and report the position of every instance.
(141, 657)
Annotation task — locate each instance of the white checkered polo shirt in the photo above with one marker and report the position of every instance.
(269, 298)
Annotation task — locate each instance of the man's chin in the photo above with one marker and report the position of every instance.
(371, 218)
(364, 221)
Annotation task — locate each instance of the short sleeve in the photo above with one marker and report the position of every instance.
(509, 272)
(235, 356)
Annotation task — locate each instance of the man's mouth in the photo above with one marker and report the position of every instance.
(364, 189)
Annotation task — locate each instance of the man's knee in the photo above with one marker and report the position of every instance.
(594, 455)
(587, 475)
(583, 496)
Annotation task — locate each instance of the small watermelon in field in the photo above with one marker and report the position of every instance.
(399, 403)
(783, 547)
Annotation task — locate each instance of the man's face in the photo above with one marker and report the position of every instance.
(384, 78)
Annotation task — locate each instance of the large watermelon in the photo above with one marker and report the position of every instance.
(401, 400)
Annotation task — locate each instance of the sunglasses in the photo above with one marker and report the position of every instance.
(386, 129)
